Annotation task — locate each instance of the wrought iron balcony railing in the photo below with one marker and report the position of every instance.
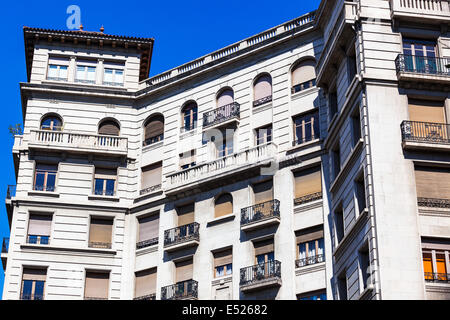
(182, 234)
(309, 260)
(150, 189)
(99, 245)
(153, 140)
(5, 245)
(308, 198)
(421, 7)
(260, 212)
(181, 290)
(147, 297)
(437, 277)
(37, 187)
(433, 203)
(260, 272)
(303, 86)
(38, 239)
(425, 132)
(11, 191)
(422, 65)
(221, 114)
(147, 243)
(262, 101)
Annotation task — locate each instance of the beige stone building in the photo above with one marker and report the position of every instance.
(310, 161)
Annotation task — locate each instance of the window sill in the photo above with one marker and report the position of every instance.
(262, 107)
(51, 194)
(149, 249)
(310, 268)
(222, 280)
(77, 84)
(221, 219)
(301, 146)
(153, 146)
(297, 95)
(187, 134)
(103, 198)
(46, 247)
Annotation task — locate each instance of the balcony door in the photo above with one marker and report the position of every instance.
(420, 56)
(264, 256)
(428, 119)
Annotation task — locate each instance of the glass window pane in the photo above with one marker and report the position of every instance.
(52, 71)
(39, 183)
(119, 76)
(63, 72)
(110, 187)
(80, 73)
(39, 290)
(51, 179)
(108, 75)
(302, 251)
(26, 290)
(91, 73)
(229, 269)
(98, 188)
(311, 248)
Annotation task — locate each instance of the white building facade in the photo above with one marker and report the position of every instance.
(310, 161)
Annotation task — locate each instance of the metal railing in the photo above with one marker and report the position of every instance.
(422, 65)
(11, 191)
(147, 297)
(99, 245)
(309, 260)
(153, 140)
(38, 239)
(433, 202)
(31, 296)
(425, 132)
(260, 272)
(260, 212)
(182, 234)
(221, 114)
(308, 198)
(181, 290)
(262, 101)
(437, 277)
(434, 7)
(150, 189)
(303, 86)
(38, 187)
(5, 245)
(147, 243)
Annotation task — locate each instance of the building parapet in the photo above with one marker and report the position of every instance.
(432, 10)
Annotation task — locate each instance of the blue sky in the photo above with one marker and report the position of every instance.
(183, 31)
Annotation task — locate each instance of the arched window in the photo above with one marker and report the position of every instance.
(154, 129)
(51, 122)
(223, 205)
(189, 116)
(225, 97)
(304, 75)
(109, 127)
(262, 90)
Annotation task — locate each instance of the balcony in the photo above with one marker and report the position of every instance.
(35, 296)
(421, 11)
(433, 203)
(99, 245)
(147, 297)
(262, 101)
(310, 260)
(308, 198)
(425, 135)
(4, 252)
(10, 193)
(260, 215)
(437, 277)
(184, 290)
(423, 69)
(261, 276)
(78, 142)
(240, 165)
(221, 115)
(38, 239)
(182, 237)
(147, 243)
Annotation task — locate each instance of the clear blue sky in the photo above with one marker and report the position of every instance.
(183, 31)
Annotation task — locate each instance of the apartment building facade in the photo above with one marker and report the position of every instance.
(309, 161)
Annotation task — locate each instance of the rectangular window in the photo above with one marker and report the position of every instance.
(224, 145)
(263, 135)
(185, 214)
(308, 185)
(33, 283)
(314, 295)
(86, 71)
(351, 66)
(356, 127)
(100, 233)
(436, 259)
(96, 285)
(45, 177)
(187, 159)
(105, 181)
(332, 105)
(310, 246)
(148, 231)
(39, 227)
(184, 270)
(336, 158)
(339, 224)
(151, 178)
(360, 193)
(420, 56)
(145, 284)
(306, 127)
(342, 286)
(113, 77)
(263, 191)
(57, 68)
(432, 183)
(223, 263)
(364, 264)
